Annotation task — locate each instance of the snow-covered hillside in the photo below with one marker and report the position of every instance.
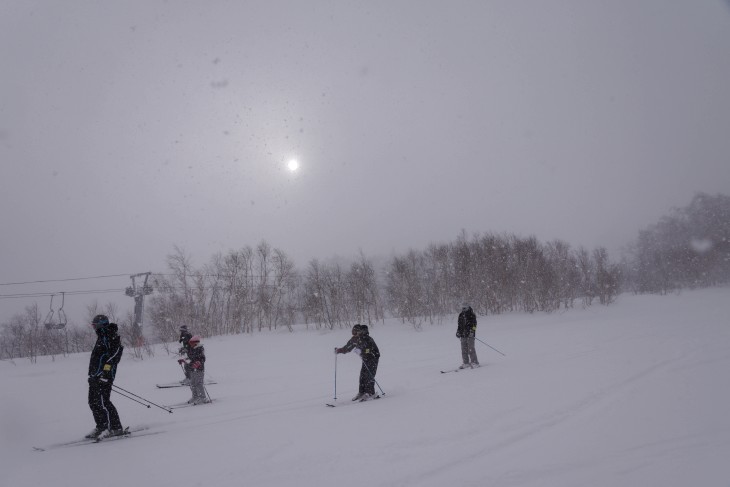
(635, 394)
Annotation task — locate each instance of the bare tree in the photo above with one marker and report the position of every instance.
(566, 275)
(607, 276)
(587, 280)
(404, 287)
(317, 306)
(364, 295)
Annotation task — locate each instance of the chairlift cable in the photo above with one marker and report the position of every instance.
(62, 280)
(42, 294)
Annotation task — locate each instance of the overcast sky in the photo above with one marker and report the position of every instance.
(129, 127)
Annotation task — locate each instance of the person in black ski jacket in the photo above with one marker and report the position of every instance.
(466, 330)
(184, 341)
(196, 362)
(364, 346)
(105, 356)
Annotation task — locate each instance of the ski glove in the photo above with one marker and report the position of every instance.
(196, 365)
(181, 360)
(339, 350)
(100, 379)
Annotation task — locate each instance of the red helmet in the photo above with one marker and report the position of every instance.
(194, 340)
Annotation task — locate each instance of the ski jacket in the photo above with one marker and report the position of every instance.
(107, 352)
(368, 349)
(467, 324)
(197, 354)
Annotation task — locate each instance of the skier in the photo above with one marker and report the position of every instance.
(196, 362)
(105, 356)
(368, 351)
(184, 340)
(466, 330)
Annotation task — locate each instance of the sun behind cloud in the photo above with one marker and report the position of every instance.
(292, 165)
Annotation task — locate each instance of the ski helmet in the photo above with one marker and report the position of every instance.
(100, 321)
(194, 340)
(183, 327)
(356, 328)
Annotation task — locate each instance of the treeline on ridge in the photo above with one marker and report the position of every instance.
(257, 288)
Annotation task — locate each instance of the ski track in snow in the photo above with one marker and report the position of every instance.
(443, 471)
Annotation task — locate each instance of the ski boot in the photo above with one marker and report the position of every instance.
(95, 433)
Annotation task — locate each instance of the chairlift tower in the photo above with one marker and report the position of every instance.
(138, 292)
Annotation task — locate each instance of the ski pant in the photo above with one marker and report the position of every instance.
(367, 375)
(468, 352)
(105, 414)
(196, 383)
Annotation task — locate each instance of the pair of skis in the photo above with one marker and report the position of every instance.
(168, 385)
(127, 433)
(189, 404)
(332, 405)
(458, 369)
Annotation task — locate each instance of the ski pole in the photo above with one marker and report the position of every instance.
(184, 371)
(135, 395)
(373, 377)
(335, 373)
(133, 399)
(489, 346)
(206, 389)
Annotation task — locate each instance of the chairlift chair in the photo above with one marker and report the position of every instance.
(61, 324)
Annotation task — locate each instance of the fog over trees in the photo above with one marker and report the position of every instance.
(688, 248)
(259, 288)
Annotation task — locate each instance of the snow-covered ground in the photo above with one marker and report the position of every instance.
(634, 394)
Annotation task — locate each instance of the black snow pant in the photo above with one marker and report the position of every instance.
(105, 414)
(367, 375)
(468, 351)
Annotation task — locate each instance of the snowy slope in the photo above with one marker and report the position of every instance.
(635, 394)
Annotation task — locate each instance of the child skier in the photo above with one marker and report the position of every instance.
(196, 362)
(364, 346)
